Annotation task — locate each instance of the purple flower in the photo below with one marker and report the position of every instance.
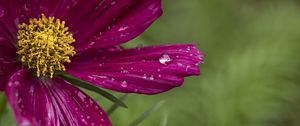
(39, 37)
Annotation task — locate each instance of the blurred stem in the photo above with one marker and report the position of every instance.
(116, 106)
(147, 113)
(86, 85)
(164, 121)
(2, 104)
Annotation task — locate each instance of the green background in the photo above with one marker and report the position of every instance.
(251, 73)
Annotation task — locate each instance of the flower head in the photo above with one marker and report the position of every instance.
(40, 37)
(45, 44)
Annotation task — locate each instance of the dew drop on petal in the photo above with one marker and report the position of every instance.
(136, 90)
(1, 12)
(159, 75)
(188, 48)
(165, 59)
(16, 83)
(113, 3)
(10, 84)
(151, 77)
(187, 67)
(92, 43)
(125, 71)
(180, 64)
(81, 96)
(124, 84)
(123, 28)
(145, 76)
(102, 120)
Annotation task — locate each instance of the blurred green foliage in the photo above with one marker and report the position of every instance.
(251, 71)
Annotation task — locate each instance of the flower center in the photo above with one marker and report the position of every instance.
(44, 45)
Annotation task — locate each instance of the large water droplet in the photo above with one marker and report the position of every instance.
(165, 59)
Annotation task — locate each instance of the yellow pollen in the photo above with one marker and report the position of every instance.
(44, 45)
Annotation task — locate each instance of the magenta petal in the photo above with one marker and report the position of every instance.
(8, 63)
(148, 70)
(51, 102)
(15, 12)
(116, 22)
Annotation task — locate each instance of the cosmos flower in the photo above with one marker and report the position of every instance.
(41, 37)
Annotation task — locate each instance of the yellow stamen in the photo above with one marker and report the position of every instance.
(44, 45)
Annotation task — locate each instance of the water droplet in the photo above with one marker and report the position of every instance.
(200, 57)
(180, 64)
(17, 94)
(165, 59)
(99, 76)
(123, 28)
(113, 2)
(136, 90)
(102, 120)
(92, 43)
(151, 77)
(159, 75)
(188, 48)
(84, 121)
(125, 71)
(1, 12)
(16, 83)
(19, 100)
(145, 76)
(187, 67)
(81, 96)
(92, 77)
(10, 84)
(31, 90)
(124, 84)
